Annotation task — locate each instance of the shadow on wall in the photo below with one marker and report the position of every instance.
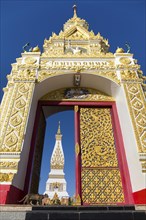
(13, 195)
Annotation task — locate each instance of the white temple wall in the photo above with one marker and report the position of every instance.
(19, 178)
(102, 84)
(134, 165)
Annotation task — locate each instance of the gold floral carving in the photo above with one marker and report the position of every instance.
(101, 181)
(26, 66)
(77, 149)
(57, 160)
(69, 42)
(11, 140)
(128, 67)
(129, 74)
(16, 118)
(71, 65)
(6, 177)
(76, 108)
(56, 176)
(77, 200)
(143, 163)
(44, 74)
(101, 186)
(105, 68)
(137, 108)
(30, 60)
(25, 75)
(97, 140)
(60, 54)
(63, 94)
(8, 165)
(125, 60)
(56, 185)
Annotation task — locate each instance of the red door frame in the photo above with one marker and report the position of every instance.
(123, 166)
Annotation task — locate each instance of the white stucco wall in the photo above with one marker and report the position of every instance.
(104, 85)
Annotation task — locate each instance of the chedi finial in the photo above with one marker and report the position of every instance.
(75, 11)
(59, 132)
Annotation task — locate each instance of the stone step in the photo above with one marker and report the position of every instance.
(71, 213)
(81, 208)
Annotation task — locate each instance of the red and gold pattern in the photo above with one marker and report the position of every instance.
(100, 175)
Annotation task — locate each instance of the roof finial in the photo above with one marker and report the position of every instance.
(75, 11)
(59, 132)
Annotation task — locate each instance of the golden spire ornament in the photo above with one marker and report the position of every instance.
(59, 132)
(75, 11)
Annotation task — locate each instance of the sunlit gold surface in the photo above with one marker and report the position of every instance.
(101, 181)
(57, 161)
(93, 95)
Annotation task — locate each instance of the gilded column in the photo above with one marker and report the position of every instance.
(78, 153)
(15, 109)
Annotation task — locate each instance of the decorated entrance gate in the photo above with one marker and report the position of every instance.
(101, 168)
(100, 173)
(109, 100)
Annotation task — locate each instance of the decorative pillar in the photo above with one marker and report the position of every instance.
(78, 152)
(15, 110)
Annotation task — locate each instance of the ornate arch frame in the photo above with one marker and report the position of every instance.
(123, 166)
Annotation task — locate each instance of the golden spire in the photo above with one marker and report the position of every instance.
(75, 20)
(75, 11)
(59, 132)
(58, 135)
(57, 159)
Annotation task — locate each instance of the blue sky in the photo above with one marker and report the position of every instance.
(119, 21)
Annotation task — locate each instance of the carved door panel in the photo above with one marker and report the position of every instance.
(100, 174)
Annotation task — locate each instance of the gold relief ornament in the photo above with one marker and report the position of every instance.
(36, 49)
(75, 29)
(76, 108)
(143, 138)
(23, 88)
(26, 73)
(102, 186)
(143, 166)
(129, 74)
(57, 161)
(120, 50)
(77, 200)
(20, 103)
(30, 60)
(125, 60)
(28, 66)
(16, 115)
(56, 185)
(77, 94)
(77, 149)
(15, 120)
(78, 65)
(137, 104)
(128, 67)
(45, 74)
(6, 177)
(8, 165)
(137, 108)
(141, 119)
(97, 147)
(11, 140)
(100, 175)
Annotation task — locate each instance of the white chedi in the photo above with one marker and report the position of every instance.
(56, 182)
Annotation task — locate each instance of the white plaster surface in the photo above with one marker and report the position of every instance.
(138, 179)
(104, 85)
